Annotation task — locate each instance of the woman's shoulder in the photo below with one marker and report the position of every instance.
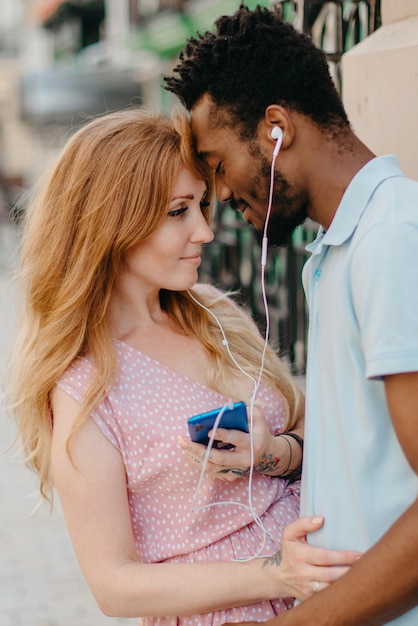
(78, 373)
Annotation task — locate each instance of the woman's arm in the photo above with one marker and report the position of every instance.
(92, 490)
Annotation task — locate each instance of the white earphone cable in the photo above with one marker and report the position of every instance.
(256, 383)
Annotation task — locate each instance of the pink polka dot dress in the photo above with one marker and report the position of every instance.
(142, 416)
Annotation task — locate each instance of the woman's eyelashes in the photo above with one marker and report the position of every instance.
(177, 212)
(204, 204)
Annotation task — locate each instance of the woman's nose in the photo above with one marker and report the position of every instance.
(202, 232)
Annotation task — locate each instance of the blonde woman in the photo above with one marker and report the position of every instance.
(115, 352)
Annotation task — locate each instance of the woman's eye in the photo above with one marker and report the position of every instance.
(219, 169)
(177, 212)
(204, 204)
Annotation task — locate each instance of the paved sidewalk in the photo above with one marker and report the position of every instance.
(40, 581)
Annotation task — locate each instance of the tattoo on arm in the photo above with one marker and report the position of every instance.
(267, 463)
(275, 559)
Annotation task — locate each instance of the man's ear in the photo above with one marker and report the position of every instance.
(275, 117)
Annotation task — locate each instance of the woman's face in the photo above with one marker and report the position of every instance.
(170, 257)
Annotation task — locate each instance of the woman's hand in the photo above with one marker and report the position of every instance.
(233, 463)
(304, 569)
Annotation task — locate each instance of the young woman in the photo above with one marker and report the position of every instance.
(117, 347)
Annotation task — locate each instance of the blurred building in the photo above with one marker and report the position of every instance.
(63, 61)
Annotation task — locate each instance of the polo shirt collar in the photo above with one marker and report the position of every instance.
(355, 201)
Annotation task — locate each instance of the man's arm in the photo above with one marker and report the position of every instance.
(383, 584)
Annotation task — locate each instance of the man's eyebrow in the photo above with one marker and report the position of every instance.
(204, 155)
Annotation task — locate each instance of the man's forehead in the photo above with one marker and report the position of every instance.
(202, 116)
(208, 126)
(202, 133)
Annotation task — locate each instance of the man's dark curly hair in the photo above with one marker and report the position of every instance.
(252, 60)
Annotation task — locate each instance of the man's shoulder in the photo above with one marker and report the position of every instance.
(394, 203)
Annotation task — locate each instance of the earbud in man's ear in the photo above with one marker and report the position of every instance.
(277, 134)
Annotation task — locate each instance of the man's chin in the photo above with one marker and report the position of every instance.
(280, 240)
(281, 229)
(276, 238)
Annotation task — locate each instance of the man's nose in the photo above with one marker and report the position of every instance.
(223, 192)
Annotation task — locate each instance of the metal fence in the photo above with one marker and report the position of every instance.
(232, 261)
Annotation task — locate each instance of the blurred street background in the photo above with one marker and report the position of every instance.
(63, 62)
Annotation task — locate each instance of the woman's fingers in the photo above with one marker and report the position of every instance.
(245, 449)
(297, 531)
(332, 558)
(222, 458)
(230, 437)
(308, 569)
(330, 574)
(198, 455)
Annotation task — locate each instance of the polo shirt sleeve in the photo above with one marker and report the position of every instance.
(384, 288)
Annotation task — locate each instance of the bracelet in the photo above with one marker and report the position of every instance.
(290, 459)
(296, 473)
(295, 437)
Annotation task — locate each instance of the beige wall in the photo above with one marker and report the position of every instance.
(380, 85)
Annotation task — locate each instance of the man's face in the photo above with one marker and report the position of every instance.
(242, 173)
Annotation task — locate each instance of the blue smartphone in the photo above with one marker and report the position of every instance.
(232, 418)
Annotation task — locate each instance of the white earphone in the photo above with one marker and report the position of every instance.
(277, 134)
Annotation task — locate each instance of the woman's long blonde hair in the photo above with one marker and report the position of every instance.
(109, 190)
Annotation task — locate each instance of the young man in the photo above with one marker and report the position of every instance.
(255, 74)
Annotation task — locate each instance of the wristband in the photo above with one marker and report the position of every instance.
(295, 437)
(296, 473)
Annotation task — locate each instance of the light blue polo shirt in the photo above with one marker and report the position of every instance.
(361, 284)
